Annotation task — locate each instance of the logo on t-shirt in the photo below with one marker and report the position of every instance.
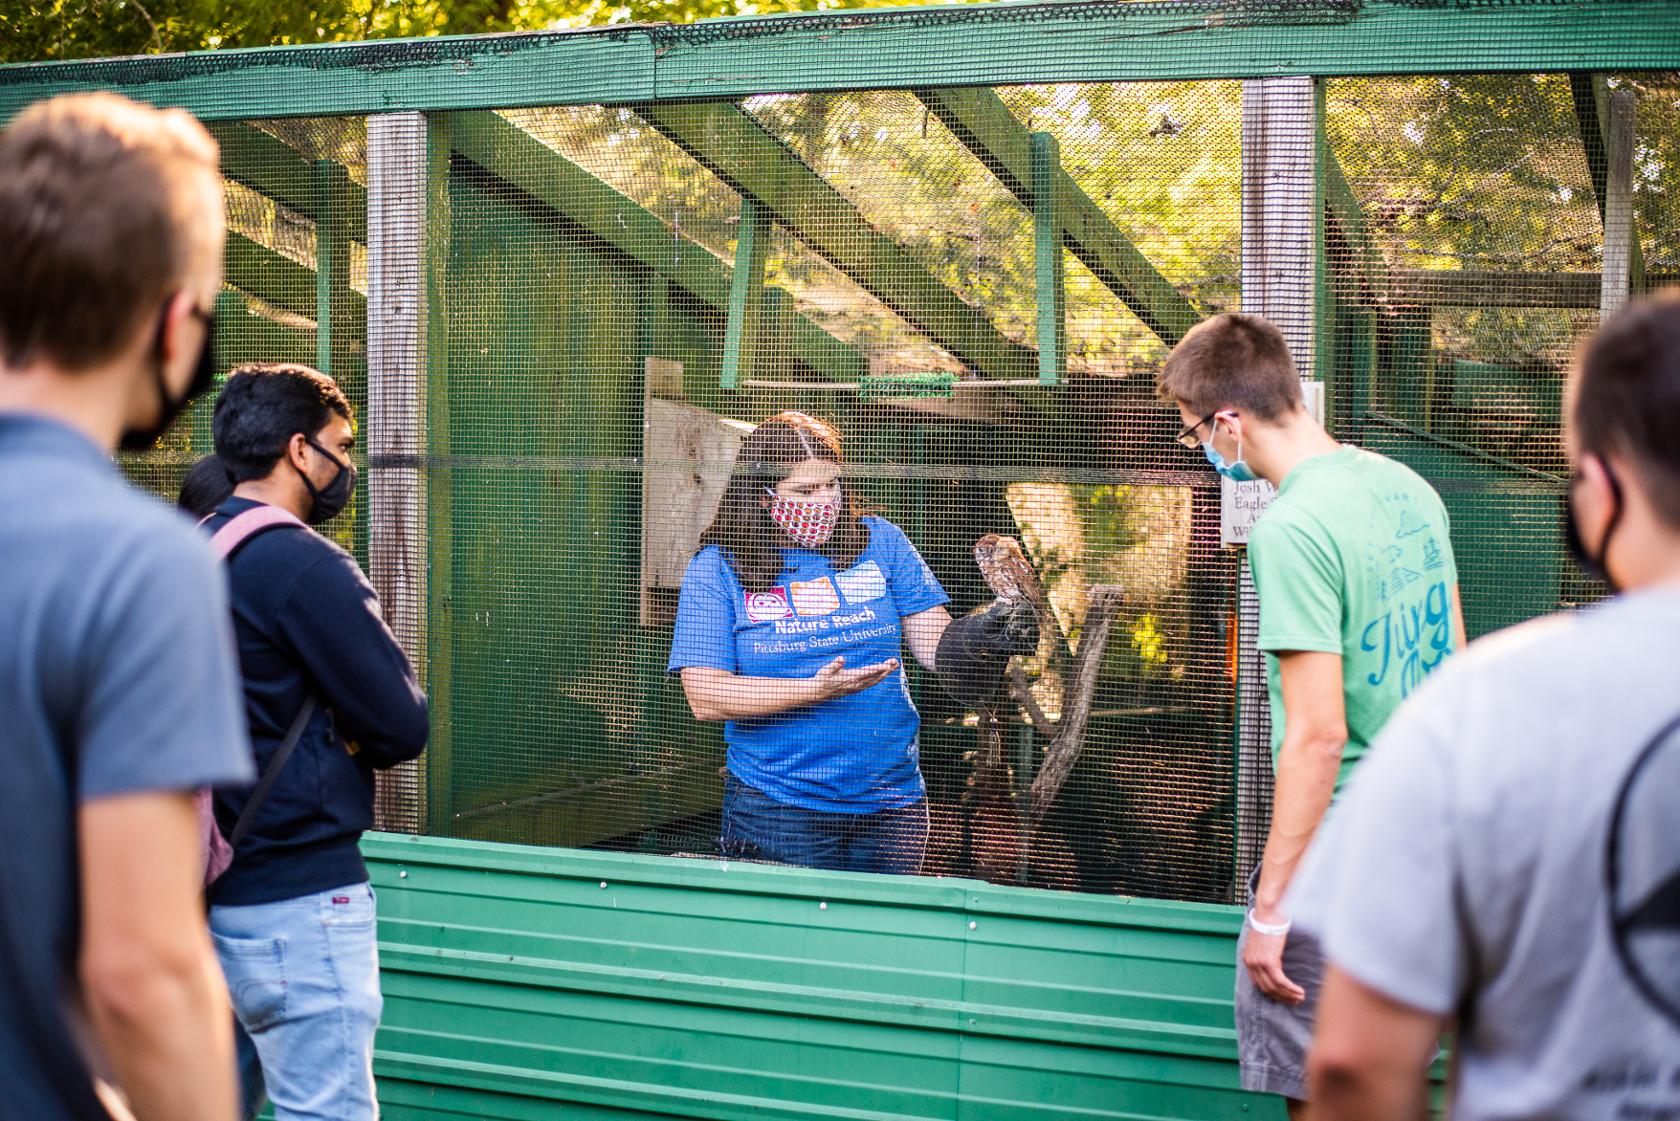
(1643, 866)
(815, 597)
(864, 583)
(766, 607)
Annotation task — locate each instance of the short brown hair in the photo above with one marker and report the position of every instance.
(99, 223)
(1232, 361)
(1625, 396)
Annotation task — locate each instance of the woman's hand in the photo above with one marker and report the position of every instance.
(715, 694)
(835, 680)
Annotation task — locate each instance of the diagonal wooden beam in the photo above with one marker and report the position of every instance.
(274, 168)
(1591, 95)
(737, 149)
(514, 155)
(983, 123)
(277, 279)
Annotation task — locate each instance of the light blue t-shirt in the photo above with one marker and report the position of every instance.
(852, 754)
(117, 676)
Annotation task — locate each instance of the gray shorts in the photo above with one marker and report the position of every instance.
(1273, 1037)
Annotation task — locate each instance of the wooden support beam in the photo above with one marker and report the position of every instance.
(276, 279)
(1047, 254)
(1621, 239)
(334, 339)
(1591, 94)
(741, 340)
(1489, 288)
(1282, 209)
(242, 336)
(271, 167)
(997, 44)
(1585, 90)
(409, 513)
(271, 277)
(515, 156)
(736, 148)
(985, 126)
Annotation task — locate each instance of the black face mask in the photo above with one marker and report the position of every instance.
(1593, 564)
(204, 375)
(326, 502)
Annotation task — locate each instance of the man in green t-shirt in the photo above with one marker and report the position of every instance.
(1358, 602)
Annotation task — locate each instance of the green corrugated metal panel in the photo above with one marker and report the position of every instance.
(520, 981)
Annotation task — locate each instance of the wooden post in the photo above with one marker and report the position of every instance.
(1619, 234)
(1282, 279)
(402, 358)
(1047, 252)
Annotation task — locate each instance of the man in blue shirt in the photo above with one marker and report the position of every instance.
(293, 918)
(117, 678)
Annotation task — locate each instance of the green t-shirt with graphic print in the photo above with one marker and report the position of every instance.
(1353, 558)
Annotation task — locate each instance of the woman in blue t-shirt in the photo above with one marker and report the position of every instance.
(791, 624)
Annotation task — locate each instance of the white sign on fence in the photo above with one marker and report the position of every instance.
(1241, 504)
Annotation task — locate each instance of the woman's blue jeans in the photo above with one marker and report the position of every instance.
(757, 827)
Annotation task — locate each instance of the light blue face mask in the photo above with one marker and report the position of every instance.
(1238, 472)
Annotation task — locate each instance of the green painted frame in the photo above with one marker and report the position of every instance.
(985, 44)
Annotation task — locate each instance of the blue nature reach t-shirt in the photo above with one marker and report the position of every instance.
(852, 754)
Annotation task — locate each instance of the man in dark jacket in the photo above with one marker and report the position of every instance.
(293, 917)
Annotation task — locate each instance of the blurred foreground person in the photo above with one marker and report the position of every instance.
(117, 675)
(1508, 860)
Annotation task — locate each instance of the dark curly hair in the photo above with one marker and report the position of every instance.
(263, 406)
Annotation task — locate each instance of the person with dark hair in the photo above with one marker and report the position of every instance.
(790, 627)
(1359, 600)
(293, 916)
(207, 484)
(117, 680)
(1507, 863)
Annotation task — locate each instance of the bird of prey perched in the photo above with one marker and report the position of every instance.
(1004, 566)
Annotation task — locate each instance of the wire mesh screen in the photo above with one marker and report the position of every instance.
(579, 314)
(599, 390)
(1464, 271)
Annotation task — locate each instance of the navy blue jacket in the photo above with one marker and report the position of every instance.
(306, 619)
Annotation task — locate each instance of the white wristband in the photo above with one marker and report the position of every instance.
(1272, 928)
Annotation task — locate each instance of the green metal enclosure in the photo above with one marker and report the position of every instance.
(968, 236)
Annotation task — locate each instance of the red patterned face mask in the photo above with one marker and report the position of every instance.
(810, 523)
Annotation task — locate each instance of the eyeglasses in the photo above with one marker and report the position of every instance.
(1188, 436)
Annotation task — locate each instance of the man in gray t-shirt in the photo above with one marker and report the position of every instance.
(118, 687)
(1507, 860)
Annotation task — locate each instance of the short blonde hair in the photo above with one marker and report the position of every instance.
(102, 218)
(1232, 361)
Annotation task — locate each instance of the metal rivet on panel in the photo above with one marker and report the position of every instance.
(822, 906)
(403, 875)
(603, 883)
(974, 926)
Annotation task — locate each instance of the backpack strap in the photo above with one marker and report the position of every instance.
(271, 773)
(239, 529)
(243, 526)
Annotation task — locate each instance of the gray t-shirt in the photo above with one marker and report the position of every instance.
(117, 676)
(1511, 850)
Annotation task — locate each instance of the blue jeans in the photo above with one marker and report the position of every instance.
(304, 977)
(757, 827)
